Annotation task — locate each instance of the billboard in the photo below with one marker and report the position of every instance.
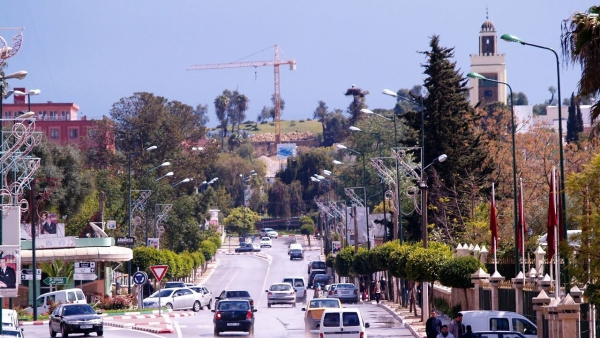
(48, 227)
(214, 219)
(285, 150)
(153, 242)
(10, 270)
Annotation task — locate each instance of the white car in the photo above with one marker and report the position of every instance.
(281, 293)
(175, 299)
(265, 241)
(207, 296)
(268, 232)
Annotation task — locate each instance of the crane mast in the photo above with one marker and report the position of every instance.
(277, 94)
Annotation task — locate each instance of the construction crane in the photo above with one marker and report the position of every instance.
(275, 63)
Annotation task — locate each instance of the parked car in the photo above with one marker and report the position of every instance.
(234, 315)
(347, 320)
(175, 299)
(45, 300)
(256, 247)
(268, 232)
(296, 253)
(245, 247)
(312, 275)
(171, 285)
(319, 265)
(484, 320)
(75, 318)
(345, 292)
(299, 284)
(314, 311)
(328, 289)
(281, 293)
(266, 241)
(207, 296)
(234, 294)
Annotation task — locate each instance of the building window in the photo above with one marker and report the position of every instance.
(73, 133)
(54, 133)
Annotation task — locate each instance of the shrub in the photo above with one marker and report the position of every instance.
(292, 123)
(329, 260)
(216, 240)
(300, 121)
(272, 124)
(344, 262)
(264, 122)
(116, 302)
(456, 272)
(362, 264)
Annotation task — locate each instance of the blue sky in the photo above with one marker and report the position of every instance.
(95, 52)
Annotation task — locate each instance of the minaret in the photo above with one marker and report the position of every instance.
(489, 64)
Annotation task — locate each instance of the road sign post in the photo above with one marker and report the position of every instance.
(159, 272)
(140, 278)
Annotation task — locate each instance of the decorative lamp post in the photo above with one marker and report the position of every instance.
(246, 177)
(164, 164)
(512, 38)
(515, 198)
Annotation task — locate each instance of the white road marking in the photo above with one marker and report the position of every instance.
(144, 332)
(177, 329)
(265, 282)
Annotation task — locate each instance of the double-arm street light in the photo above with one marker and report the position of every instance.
(513, 128)
(185, 180)
(129, 210)
(154, 222)
(164, 164)
(512, 38)
(246, 177)
(341, 146)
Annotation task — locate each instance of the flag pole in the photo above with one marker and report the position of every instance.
(495, 257)
(556, 254)
(522, 244)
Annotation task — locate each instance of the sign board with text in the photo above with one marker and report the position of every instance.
(55, 280)
(27, 274)
(128, 241)
(85, 267)
(84, 276)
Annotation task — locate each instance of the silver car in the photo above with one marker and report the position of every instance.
(207, 297)
(345, 292)
(281, 293)
(174, 299)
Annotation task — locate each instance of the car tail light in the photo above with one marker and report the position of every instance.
(305, 292)
(321, 335)
(355, 292)
(335, 292)
(218, 315)
(362, 335)
(269, 294)
(251, 303)
(249, 314)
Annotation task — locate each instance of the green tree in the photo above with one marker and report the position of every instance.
(362, 264)
(580, 37)
(146, 256)
(209, 249)
(382, 255)
(344, 262)
(335, 128)
(358, 102)
(572, 121)
(307, 227)
(221, 107)
(519, 99)
(239, 220)
(202, 113)
(321, 113)
(456, 273)
(424, 265)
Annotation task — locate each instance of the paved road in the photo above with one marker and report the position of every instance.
(39, 331)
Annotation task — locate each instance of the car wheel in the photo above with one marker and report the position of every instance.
(100, 333)
(251, 332)
(209, 304)
(216, 332)
(52, 333)
(64, 332)
(197, 306)
(268, 304)
(294, 304)
(169, 306)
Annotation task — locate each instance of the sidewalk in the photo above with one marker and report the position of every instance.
(408, 319)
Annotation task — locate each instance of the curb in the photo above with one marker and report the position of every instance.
(137, 315)
(168, 329)
(37, 322)
(412, 330)
(264, 256)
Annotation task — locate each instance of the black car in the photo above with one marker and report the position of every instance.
(245, 247)
(75, 318)
(322, 279)
(313, 273)
(235, 295)
(316, 265)
(296, 253)
(234, 315)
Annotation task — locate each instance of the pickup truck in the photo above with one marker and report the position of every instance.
(245, 247)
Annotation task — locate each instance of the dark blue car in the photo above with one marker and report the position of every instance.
(233, 316)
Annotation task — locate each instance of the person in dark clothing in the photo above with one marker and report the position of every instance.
(456, 327)
(147, 290)
(469, 333)
(433, 326)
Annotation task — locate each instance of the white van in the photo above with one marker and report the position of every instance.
(62, 296)
(499, 321)
(299, 285)
(294, 246)
(343, 322)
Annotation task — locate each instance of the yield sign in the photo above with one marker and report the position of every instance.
(159, 271)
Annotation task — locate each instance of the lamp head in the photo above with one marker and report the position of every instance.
(366, 111)
(353, 128)
(327, 172)
(151, 148)
(185, 180)
(35, 92)
(510, 38)
(197, 148)
(442, 158)
(341, 146)
(320, 177)
(26, 115)
(389, 92)
(170, 173)
(18, 93)
(474, 75)
(20, 75)
(165, 164)
(337, 162)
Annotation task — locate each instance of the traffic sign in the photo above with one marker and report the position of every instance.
(140, 278)
(85, 268)
(84, 276)
(55, 280)
(30, 271)
(30, 277)
(159, 271)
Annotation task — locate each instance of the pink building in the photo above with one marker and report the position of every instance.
(59, 122)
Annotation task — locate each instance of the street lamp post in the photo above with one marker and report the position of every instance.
(164, 164)
(244, 178)
(341, 146)
(154, 220)
(512, 38)
(512, 120)
(129, 211)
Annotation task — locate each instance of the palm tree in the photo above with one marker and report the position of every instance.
(59, 269)
(241, 104)
(581, 44)
(321, 113)
(221, 106)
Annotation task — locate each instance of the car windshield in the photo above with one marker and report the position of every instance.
(237, 294)
(281, 287)
(267, 229)
(296, 251)
(324, 303)
(265, 239)
(318, 265)
(163, 293)
(233, 306)
(83, 309)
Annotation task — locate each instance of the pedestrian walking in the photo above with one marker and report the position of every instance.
(317, 293)
(469, 333)
(456, 326)
(445, 333)
(433, 326)
(377, 292)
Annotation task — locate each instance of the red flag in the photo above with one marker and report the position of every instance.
(493, 222)
(552, 219)
(522, 226)
(561, 226)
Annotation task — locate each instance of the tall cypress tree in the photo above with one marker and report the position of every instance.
(572, 127)
(450, 128)
(579, 117)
